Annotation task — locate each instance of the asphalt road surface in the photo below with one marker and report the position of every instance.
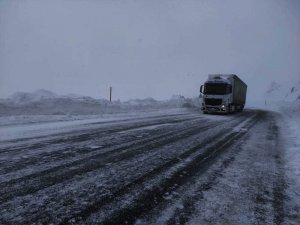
(185, 168)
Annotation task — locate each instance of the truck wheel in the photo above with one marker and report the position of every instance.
(229, 110)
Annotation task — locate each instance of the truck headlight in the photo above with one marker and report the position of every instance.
(223, 106)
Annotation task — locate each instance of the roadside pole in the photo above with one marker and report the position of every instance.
(110, 93)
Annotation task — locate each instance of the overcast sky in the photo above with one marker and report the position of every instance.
(146, 48)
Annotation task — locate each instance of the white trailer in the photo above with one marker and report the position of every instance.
(223, 93)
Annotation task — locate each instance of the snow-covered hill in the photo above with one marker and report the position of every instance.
(43, 102)
(284, 97)
(23, 97)
(289, 91)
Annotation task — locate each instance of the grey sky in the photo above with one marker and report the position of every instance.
(145, 48)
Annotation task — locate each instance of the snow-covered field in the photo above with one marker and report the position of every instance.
(30, 107)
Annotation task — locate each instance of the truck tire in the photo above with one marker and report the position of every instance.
(231, 108)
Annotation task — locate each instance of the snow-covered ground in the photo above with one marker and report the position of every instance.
(291, 128)
(165, 155)
(293, 164)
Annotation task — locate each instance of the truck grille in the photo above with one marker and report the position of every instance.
(213, 101)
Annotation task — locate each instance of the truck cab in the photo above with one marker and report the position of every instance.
(222, 93)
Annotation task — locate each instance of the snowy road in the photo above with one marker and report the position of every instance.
(178, 168)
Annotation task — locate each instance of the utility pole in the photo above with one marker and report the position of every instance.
(110, 92)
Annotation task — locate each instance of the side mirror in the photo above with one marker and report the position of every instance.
(201, 89)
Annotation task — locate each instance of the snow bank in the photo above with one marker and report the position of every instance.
(292, 156)
(285, 98)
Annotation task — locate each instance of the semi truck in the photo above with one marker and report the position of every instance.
(225, 93)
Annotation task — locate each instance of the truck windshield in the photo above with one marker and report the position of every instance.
(217, 88)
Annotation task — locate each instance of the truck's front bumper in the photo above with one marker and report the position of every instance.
(221, 108)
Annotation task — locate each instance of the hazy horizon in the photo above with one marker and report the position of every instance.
(146, 48)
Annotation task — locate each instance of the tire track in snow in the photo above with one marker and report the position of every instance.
(43, 179)
(87, 127)
(262, 194)
(148, 199)
(78, 147)
(106, 128)
(182, 215)
(240, 116)
(279, 185)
